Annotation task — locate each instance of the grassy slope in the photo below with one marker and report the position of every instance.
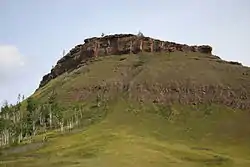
(134, 134)
(153, 73)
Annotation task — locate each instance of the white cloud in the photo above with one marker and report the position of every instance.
(11, 71)
(11, 63)
(10, 57)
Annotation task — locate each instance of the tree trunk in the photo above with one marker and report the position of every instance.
(1, 141)
(81, 113)
(76, 119)
(6, 137)
(70, 124)
(20, 137)
(34, 128)
(50, 118)
(61, 124)
(40, 119)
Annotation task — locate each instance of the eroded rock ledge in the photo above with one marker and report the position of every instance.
(117, 44)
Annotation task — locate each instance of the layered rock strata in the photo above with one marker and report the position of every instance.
(117, 44)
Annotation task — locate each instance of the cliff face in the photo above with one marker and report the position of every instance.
(117, 44)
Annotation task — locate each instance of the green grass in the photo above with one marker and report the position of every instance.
(135, 135)
(155, 74)
(163, 110)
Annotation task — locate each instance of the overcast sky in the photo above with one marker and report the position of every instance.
(33, 33)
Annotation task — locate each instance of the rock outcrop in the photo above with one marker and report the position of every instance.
(117, 44)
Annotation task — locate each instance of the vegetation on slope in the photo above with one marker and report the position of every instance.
(155, 110)
(165, 78)
(132, 134)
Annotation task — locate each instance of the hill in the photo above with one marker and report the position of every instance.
(142, 103)
(117, 44)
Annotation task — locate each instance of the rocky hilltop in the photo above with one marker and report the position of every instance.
(117, 44)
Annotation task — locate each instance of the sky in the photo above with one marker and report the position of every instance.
(33, 34)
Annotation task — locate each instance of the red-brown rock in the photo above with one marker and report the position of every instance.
(116, 45)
